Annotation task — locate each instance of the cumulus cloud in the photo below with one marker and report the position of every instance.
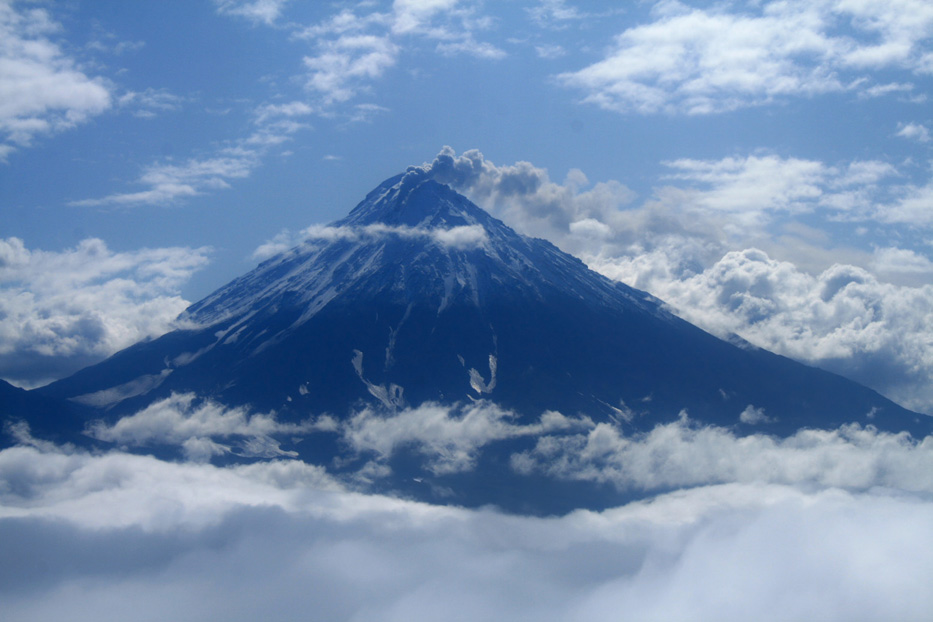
(62, 310)
(843, 318)
(97, 536)
(710, 60)
(42, 89)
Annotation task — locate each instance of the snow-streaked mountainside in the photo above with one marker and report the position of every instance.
(419, 297)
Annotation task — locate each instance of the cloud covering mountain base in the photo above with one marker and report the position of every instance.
(830, 525)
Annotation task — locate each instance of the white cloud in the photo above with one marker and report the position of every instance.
(681, 454)
(843, 319)
(703, 61)
(147, 104)
(110, 535)
(414, 15)
(61, 310)
(265, 11)
(914, 131)
(194, 425)
(554, 13)
(168, 182)
(549, 51)
(355, 49)
(347, 65)
(451, 438)
(912, 207)
(462, 237)
(42, 90)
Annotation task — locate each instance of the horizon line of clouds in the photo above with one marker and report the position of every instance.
(698, 61)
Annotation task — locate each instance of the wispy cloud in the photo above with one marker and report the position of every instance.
(151, 102)
(914, 131)
(702, 61)
(63, 310)
(354, 49)
(42, 90)
(203, 429)
(462, 237)
(168, 182)
(346, 65)
(265, 11)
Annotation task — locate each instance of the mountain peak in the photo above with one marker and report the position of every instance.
(415, 199)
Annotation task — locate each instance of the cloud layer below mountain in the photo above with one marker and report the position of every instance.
(113, 535)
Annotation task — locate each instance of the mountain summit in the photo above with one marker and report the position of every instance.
(419, 297)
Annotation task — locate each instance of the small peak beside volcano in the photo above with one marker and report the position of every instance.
(415, 199)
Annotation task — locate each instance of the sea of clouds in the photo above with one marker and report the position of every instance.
(829, 525)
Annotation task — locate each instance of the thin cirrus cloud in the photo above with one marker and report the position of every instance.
(63, 310)
(42, 90)
(705, 61)
(763, 526)
(352, 51)
(264, 11)
(169, 182)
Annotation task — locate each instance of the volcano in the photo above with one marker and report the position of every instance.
(420, 297)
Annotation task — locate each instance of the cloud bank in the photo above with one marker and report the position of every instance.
(839, 530)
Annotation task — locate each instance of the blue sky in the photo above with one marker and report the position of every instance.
(765, 167)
